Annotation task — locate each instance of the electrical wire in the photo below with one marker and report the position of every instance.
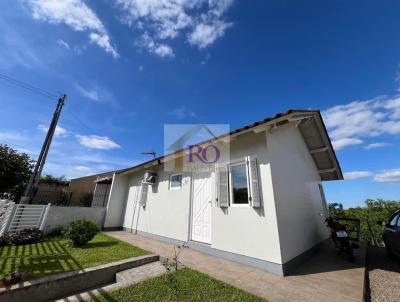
(43, 93)
(79, 120)
(28, 87)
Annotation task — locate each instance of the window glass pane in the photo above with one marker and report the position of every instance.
(239, 184)
(394, 220)
(176, 181)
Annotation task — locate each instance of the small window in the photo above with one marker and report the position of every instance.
(175, 181)
(239, 184)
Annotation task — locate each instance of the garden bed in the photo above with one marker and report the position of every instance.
(56, 255)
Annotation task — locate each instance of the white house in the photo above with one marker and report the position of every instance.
(262, 208)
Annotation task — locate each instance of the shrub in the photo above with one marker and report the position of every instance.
(13, 278)
(24, 236)
(81, 232)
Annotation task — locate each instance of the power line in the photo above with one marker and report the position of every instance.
(28, 87)
(80, 121)
(45, 93)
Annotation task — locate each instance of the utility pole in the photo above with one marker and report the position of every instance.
(31, 189)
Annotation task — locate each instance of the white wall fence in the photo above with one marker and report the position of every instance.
(15, 217)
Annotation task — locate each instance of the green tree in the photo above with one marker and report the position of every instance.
(335, 209)
(375, 210)
(15, 170)
(52, 180)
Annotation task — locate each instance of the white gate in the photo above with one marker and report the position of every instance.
(15, 217)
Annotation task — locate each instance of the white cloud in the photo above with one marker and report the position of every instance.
(205, 34)
(104, 42)
(11, 136)
(349, 124)
(376, 145)
(63, 44)
(346, 142)
(164, 50)
(77, 15)
(69, 170)
(392, 175)
(182, 112)
(160, 49)
(97, 93)
(356, 174)
(201, 21)
(97, 142)
(88, 93)
(60, 131)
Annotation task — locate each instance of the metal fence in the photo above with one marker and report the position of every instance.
(65, 199)
(15, 217)
(71, 199)
(352, 226)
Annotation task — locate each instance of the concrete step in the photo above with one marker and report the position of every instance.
(140, 273)
(123, 279)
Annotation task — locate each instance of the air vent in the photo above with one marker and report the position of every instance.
(149, 177)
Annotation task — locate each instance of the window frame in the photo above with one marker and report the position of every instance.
(230, 178)
(170, 181)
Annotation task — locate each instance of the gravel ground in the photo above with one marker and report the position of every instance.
(384, 276)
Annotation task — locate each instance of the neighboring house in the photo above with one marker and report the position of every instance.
(87, 184)
(262, 208)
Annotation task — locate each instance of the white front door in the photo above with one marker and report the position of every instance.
(201, 207)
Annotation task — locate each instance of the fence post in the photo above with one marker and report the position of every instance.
(13, 207)
(69, 199)
(7, 217)
(46, 212)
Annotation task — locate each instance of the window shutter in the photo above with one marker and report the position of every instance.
(143, 194)
(255, 197)
(222, 190)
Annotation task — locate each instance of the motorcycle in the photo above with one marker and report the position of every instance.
(340, 237)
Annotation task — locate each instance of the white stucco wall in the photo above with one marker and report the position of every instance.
(166, 212)
(63, 216)
(241, 230)
(297, 197)
(285, 226)
(116, 202)
(246, 230)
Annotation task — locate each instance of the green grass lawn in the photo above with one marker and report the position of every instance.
(56, 255)
(194, 286)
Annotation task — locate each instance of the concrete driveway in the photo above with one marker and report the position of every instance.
(325, 277)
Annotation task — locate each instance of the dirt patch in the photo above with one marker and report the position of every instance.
(383, 275)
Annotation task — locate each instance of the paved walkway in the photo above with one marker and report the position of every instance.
(325, 277)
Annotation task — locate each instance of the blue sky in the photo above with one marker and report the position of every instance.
(131, 66)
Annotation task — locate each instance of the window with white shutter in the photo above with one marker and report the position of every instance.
(222, 186)
(239, 185)
(144, 188)
(255, 196)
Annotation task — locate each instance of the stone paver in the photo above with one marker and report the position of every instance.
(140, 273)
(325, 277)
